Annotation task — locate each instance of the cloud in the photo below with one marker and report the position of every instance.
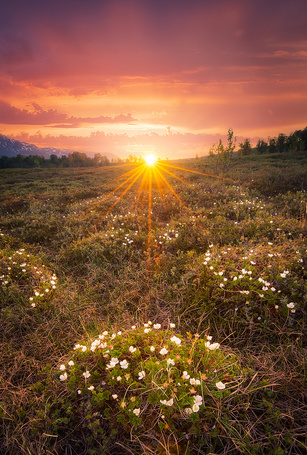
(12, 115)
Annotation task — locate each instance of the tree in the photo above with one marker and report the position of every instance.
(281, 143)
(262, 146)
(231, 142)
(223, 153)
(272, 145)
(245, 148)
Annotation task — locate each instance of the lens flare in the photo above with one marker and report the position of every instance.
(150, 159)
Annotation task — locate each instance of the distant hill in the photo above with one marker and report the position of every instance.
(10, 147)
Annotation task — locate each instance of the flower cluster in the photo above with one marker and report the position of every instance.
(21, 273)
(138, 369)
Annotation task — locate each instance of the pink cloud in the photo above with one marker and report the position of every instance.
(12, 115)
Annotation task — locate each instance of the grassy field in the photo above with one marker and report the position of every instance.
(178, 332)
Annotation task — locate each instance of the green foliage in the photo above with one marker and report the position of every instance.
(230, 262)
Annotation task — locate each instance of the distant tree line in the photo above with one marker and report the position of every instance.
(75, 159)
(295, 142)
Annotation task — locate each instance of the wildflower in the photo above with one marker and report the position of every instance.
(124, 364)
(86, 374)
(170, 362)
(152, 348)
(209, 338)
(185, 375)
(290, 305)
(71, 363)
(119, 378)
(163, 351)
(62, 367)
(176, 340)
(132, 349)
(142, 374)
(172, 325)
(113, 362)
(188, 411)
(114, 396)
(214, 346)
(194, 381)
(198, 400)
(136, 411)
(147, 330)
(91, 388)
(195, 407)
(63, 377)
(157, 326)
(167, 403)
(220, 385)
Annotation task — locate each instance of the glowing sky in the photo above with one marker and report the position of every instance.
(140, 76)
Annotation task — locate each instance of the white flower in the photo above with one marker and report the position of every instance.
(71, 363)
(157, 326)
(172, 325)
(91, 387)
(290, 305)
(167, 403)
(195, 407)
(63, 377)
(86, 374)
(152, 348)
(113, 362)
(188, 411)
(114, 396)
(163, 351)
(176, 340)
(119, 378)
(147, 330)
(170, 362)
(214, 346)
(124, 364)
(198, 400)
(209, 338)
(142, 374)
(136, 411)
(220, 385)
(62, 367)
(132, 349)
(185, 375)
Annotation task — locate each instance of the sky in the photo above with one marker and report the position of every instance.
(150, 76)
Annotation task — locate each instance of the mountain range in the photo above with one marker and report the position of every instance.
(11, 147)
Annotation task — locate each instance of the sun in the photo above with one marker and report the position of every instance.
(150, 159)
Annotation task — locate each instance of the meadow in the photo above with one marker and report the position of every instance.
(182, 332)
